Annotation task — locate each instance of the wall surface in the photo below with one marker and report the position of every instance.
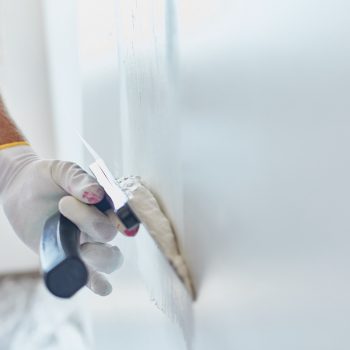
(265, 91)
(236, 114)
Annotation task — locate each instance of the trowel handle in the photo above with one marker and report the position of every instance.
(64, 271)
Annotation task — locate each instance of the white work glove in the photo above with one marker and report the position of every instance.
(32, 189)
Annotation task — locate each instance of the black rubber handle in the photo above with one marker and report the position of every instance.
(64, 271)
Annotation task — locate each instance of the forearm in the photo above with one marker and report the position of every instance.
(9, 133)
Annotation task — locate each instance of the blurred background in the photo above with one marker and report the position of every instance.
(236, 113)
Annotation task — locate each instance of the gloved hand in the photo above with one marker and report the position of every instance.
(32, 189)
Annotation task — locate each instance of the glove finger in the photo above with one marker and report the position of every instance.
(88, 218)
(84, 238)
(75, 181)
(102, 257)
(98, 283)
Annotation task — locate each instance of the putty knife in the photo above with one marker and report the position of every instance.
(64, 271)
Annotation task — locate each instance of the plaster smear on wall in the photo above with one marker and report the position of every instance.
(150, 136)
(165, 291)
(160, 261)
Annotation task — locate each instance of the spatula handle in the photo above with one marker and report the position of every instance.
(64, 271)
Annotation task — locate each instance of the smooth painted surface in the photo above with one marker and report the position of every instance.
(259, 183)
(264, 89)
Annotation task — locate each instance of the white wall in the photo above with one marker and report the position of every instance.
(264, 87)
(258, 188)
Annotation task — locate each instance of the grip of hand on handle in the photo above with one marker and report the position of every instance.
(64, 271)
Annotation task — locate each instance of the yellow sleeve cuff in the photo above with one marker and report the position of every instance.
(14, 144)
